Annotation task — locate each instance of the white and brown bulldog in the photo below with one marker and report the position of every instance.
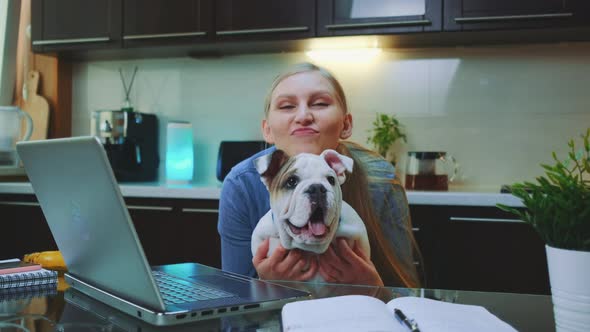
(306, 207)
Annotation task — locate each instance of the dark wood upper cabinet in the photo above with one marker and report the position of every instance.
(264, 19)
(360, 17)
(75, 24)
(510, 14)
(158, 22)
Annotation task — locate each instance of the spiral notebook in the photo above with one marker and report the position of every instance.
(19, 293)
(29, 278)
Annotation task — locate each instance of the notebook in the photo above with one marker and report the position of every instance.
(18, 274)
(30, 278)
(364, 313)
(86, 213)
(20, 293)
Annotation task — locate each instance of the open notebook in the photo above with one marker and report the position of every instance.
(365, 313)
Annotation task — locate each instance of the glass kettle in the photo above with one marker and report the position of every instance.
(426, 170)
(10, 127)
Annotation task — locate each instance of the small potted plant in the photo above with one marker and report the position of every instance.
(385, 132)
(558, 208)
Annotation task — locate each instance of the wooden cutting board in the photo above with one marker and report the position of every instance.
(37, 107)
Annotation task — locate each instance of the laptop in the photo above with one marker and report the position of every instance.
(86, 213)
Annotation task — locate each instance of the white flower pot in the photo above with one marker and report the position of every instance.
(569, 275)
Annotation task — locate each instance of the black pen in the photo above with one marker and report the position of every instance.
(410, 323)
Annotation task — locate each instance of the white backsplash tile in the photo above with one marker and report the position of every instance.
(499, 110)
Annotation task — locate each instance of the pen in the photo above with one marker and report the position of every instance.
(410, 323)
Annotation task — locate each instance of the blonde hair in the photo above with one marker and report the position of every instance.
(306, 67)
(391, 267)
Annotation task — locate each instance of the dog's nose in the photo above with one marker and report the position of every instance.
(316, 192)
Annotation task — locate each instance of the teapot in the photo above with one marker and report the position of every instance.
(430, 170)
(10, 127)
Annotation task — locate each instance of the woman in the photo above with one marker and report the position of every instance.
(306, 111)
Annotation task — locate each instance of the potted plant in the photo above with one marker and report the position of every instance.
(558, 207)
(385, 132)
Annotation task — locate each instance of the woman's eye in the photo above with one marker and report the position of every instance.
(286, 107)
(332, 180)
(321, 104)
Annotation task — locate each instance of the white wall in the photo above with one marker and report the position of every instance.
(499, 110)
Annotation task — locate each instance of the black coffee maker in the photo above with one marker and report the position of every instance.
(131, 143)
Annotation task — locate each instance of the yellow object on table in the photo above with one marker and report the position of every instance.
(51, 260)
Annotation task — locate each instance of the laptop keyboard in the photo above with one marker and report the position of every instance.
(175, 290)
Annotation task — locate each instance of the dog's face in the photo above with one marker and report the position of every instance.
(305, 196)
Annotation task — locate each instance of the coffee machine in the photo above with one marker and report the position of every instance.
(131, 143)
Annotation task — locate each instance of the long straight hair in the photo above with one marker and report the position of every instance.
(393, 268)
(355, 191)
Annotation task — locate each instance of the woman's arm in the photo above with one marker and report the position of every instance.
(344, 264)
(235, 229)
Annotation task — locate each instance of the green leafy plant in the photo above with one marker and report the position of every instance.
(385, 132)
(558, 205)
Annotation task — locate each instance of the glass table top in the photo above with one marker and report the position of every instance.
(70, 310)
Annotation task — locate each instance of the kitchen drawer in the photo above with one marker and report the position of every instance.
(480, 249)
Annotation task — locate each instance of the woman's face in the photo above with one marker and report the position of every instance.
(304, 115)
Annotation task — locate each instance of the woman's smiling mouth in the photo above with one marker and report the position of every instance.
(304, 132)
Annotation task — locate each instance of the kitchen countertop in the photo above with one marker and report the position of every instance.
(458, 196)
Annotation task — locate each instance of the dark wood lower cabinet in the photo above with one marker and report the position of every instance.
(23, 228)
(467, 248)
(170, 230)
(481, 249)
(177, 230)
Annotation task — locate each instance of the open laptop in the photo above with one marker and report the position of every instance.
(81, 200)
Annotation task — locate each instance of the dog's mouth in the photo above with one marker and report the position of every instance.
(315, 225)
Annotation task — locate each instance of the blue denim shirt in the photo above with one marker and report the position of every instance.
(245, 199)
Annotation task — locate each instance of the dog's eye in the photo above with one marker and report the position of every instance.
(331, 180)
(292, 182)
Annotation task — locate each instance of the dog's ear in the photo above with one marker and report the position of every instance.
(269, 165)
(339, 163)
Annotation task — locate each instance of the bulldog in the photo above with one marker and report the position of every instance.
(306, 207)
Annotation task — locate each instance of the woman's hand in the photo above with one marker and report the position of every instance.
(343, 264)
(284, 264)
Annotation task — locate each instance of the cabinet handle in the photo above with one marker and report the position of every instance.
(480, 19)
(19, 203)
(415, 229)
(484, 219)
(165, 35)
(260, 31)
(200, 210)
(377, 24)
(149, 208)
(71, 41)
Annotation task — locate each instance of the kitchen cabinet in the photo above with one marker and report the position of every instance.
(508, 14)
(165, 22)
(23, 227)
(170, 230)
(70, 25)
(177, 230)
(83, 29)
(359, 17)
(480, 249)
(264, 19)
